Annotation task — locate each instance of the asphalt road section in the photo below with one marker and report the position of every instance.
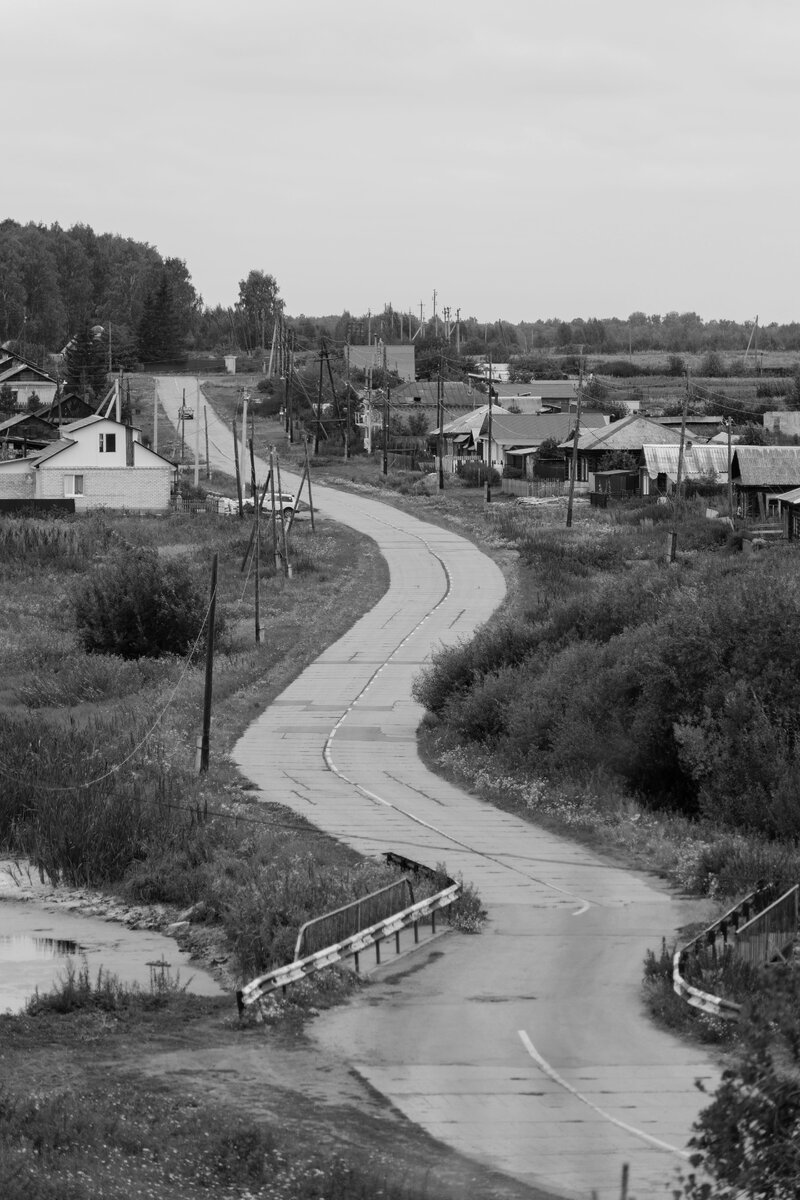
(526, 1047)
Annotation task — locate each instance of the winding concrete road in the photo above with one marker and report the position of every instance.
(526, 1047)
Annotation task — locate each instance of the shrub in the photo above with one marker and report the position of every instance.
(137, 606)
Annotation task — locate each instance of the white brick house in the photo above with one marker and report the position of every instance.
(97, 462)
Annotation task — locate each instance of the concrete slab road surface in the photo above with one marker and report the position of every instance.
(525, 1047)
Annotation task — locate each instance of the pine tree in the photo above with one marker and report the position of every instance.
(84, 365)
(160, 339)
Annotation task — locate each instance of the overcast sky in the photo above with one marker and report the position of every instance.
(523, 158)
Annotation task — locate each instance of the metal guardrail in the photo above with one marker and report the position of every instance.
(715, 940)
(334, 927)
(352, 945)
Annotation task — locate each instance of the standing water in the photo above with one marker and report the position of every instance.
(37, 943)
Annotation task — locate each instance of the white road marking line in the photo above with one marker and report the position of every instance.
(553, 1074)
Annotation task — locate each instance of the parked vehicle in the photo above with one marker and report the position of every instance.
(284, 501)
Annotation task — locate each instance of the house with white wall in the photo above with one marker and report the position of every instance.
(24, 380)
(97, 462)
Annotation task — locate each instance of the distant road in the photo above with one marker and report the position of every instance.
(526, 1047)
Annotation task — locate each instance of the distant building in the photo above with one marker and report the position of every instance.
(25, 380)
(381, 355)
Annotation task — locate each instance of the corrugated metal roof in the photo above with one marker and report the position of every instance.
(770, 466)
(791, 497)
(631, 433)
(518, 429)
(456, 394)
(698, 461)
(471, 422)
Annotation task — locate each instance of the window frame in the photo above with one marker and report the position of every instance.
(70, 489)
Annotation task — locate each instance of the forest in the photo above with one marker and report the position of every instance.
(54, 280)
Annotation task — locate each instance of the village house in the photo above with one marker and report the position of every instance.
(658, 466)
(98, 463)
(461, 436)
(627, 436)
(24, 434)
(761, 474)
(24, 380)
(516, 437)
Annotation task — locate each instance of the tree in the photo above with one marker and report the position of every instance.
(748, 1139)
(258, 306)
(159, 334)
(84, 365)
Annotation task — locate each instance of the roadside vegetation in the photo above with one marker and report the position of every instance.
(103, 666)
(652, 712)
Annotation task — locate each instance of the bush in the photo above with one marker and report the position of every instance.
(137, 606)
(473, 474)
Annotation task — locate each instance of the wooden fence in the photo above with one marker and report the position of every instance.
(770, 934)
(533, 487)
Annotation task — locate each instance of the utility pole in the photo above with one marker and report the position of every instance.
(386, 432)
(573, 471)
(204, 740)
(441, 436)
(319, 409)
(155, 414)
(308, 478)
(728, 425)
(238, 473)
(673, 537)
(347, 414)
(208, 460)
(197, 436)
(287, 566)
(489, 442)
(272, 500)
(458, 331)
(258, 567)
(435, 318)
(183, 424)
(244, 431)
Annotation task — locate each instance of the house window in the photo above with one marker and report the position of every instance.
(73, 485)
(108, 443)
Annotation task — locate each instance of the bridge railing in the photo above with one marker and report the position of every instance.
(448, 890)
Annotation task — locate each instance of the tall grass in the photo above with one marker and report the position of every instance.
(68, 543)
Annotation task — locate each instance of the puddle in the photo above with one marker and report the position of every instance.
(36, 945)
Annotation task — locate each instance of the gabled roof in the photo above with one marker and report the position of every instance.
(542, 389)
(456, 394)
(768, 466)
(526, 429)
(51, 451)
(698, 461)
(630, 433)
(471, 422)
(8, 427)
(23, 370)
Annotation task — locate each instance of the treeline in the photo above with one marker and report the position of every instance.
(53, 279)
